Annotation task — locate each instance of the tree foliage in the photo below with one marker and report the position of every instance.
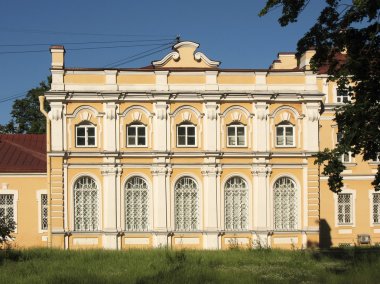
(7, 227)
(346, 38)
(26, 115)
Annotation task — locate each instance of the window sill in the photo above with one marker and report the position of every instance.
(350, 164)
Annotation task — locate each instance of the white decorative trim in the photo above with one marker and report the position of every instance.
(353, 210)
(38, 197)
(370, 196)
(4, 190)
(172, 55)
(200, 56)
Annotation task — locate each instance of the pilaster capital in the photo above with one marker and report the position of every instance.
(55, 112)
(312, 111)
(261, 110)
(161, 171)
(211, 110)
(261, 170)
(111, 171)
(161, 110)
(111, 111)
(211, 171)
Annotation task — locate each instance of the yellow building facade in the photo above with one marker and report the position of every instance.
(185, 154)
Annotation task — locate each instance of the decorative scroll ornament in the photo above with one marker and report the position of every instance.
(136, 116)
(85, 115)
(161, 112)
(211, 111)
(236, 116)
(111, 112)
(55, 114)
(186, 116)
(313, 114)
(285, 116)
(261, 112)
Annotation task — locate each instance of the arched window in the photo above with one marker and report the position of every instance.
(236, 204)
(285, 204)
(186, 204)
(86, 211)
(136, 204)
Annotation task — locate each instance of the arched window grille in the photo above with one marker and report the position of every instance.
(136, 204)
(285, 204)
(236, 204)
(86, 211)
(186, 204)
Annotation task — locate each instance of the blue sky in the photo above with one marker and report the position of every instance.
(228, 31)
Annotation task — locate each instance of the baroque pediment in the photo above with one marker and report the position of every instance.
(184, 55)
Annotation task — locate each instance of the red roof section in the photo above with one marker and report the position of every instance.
(22, 153)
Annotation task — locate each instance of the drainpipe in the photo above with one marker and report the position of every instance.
(42, 100)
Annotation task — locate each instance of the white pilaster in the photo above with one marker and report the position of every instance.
(210, 127)
(162, 80)
(261, 81)
(160, 217)
(210, 192)
(160, 127)
(110, 218)
(311, 127)
(57, 83)
(211, 80)
(260, 130)
(261, 207)
(111, 83)
(109, 132)
(55, 116)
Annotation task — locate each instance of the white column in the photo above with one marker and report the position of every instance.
(260, 127)
(210, 212)
(160, 205)
(55, 116)
(109, 207)
(159, 126)
(210, 127)
(109, 132)
(261, 202)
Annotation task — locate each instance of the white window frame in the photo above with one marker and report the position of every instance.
(298, 203)
(186, 136)
(85, 126)
(284, 126)
(199, 207)
(370, 196)
(241, 189)
(148, 203)
(15, 203)
(353, 208)
(137, 126)
(236, 136)
(339, 98)
(39, 209)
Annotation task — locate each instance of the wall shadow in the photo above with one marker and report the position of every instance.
(324, 234)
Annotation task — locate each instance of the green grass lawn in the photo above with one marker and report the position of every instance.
(166, 266)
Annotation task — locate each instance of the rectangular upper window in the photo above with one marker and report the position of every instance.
(136, 136)
(285, 136)
(85, 135)
(342, 97)
(236, 136)
(186, 135)
(44, 212)
(345, 209)
(7, 206)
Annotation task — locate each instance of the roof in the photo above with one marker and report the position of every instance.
(22, 153)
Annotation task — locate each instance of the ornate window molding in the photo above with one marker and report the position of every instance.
(136, 209)
(186, 204)
(236, 206)
(86, 204)
(285, 204)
